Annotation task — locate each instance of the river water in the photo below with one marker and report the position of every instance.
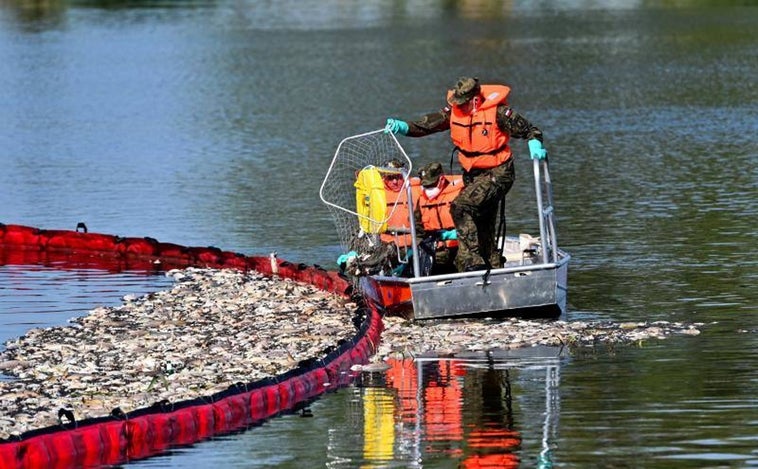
(213, 122)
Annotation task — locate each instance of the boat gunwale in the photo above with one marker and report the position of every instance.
(563, 260)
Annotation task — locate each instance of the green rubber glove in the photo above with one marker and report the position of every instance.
(342, 260)
(536, 150)
(396, 126)
(448, 235)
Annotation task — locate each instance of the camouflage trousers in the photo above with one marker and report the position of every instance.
(474, 212)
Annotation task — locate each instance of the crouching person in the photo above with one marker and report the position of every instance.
(434, 224)
(383, 246)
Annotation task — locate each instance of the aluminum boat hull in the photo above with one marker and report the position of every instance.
(526, 290)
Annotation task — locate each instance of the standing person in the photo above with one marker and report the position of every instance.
(481, 124)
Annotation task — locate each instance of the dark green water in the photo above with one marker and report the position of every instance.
(213, 123)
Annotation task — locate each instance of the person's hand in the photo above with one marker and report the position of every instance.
(448, 235)
(536, 150)
(344, 258)
(396, 126)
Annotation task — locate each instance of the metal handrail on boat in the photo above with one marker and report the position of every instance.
(545, 212)
(457, 275)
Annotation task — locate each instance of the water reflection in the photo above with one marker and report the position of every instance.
(35, 15)
(428, 410)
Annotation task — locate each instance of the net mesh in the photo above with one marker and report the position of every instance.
(353, 154)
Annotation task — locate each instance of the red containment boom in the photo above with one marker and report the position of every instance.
(123, 437)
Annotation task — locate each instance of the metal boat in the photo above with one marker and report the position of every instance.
(532, 282)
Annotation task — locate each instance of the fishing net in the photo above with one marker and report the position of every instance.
(373, 150)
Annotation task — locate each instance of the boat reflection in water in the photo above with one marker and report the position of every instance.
(463, 410)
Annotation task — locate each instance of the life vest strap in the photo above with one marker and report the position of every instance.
(474, 154)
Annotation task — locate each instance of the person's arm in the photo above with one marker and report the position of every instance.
(420, 232)
(517, 126)
(429, 124)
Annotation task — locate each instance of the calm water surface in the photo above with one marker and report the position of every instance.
(212, 123)
(41, 296)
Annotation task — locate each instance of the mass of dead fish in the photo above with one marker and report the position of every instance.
(215, 328)
(450, 337)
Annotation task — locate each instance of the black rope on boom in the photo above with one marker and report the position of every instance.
(82, 226)
(119, 414)
(67, 414)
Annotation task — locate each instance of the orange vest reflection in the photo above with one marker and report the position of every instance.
(474, 426)
(442, 403)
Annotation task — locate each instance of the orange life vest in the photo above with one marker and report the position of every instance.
(398, 223)
(435, 213)
(480, 142)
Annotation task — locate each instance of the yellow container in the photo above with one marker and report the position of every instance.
(370, 200)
